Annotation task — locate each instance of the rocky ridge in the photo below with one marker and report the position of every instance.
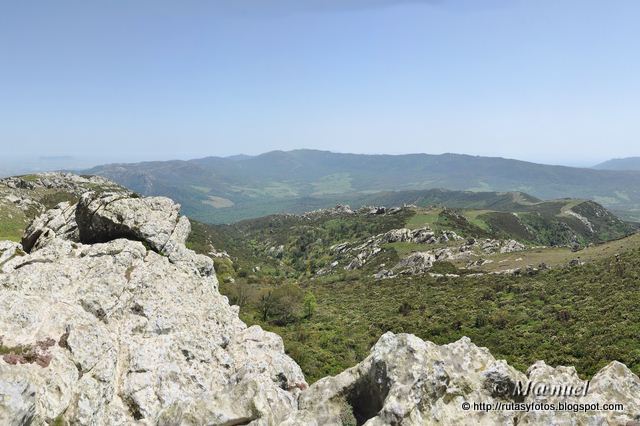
(106, 318)
(346, 210)
(448, 246)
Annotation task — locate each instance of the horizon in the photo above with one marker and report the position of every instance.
(20, 164)
(550, 83)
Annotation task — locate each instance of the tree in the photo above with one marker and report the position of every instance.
(309, 304)
(287, 304)
(266, 304)
(281, 305)
(239, 294)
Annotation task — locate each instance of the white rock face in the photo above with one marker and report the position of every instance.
(114, 333)
(59, 221)
(8, 250)
(133, 337)
(106, 216)
(407, 381)
(416, 263)
(511, 246)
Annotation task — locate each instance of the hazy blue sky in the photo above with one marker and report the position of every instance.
(554, 81)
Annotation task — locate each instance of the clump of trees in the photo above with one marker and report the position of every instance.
(279, 305)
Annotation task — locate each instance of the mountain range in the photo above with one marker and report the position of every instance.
(629, 163)
(222, 190)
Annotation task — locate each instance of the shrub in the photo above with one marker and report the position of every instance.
(310, 304)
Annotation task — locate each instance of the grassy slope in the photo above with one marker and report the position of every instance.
(557, 256)
(12, 222)
(581, 316)
(307, 241)
(584, 316)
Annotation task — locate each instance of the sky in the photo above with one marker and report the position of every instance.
(548, 81)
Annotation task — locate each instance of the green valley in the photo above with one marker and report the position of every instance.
(278, 270)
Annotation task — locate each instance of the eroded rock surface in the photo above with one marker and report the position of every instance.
(136, 337)
(59, 221)
(407, 381)
(129, 330)
(59, 181)
(106, 216)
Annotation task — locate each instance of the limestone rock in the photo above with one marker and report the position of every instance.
(134, 337)
(61, 181)
(107, 216)
(57, 222)
(407, 381)
(372, 210)
(113, 331)
(338, 210)
(416, 263)
(511, 246)
(9, 250)
(17, 407)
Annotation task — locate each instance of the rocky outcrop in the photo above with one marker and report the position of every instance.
(68, 182)
(338, 210)
(418, 236)
(490, 246)
(451, 247)
(511, 246)
(9, 250)
(374, 210)
(152, 220)
(131, 329)
(415, 263)
(107, 216)
(57, 222)
(407, 381)
(359, 255)
(364, 255)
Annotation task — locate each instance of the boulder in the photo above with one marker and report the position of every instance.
(415, 263)
(490, 246)
(397, 236)
(449, 236)
(511, 246)
(363, 257)
(406, 380)
(154, 220)
(372, 210)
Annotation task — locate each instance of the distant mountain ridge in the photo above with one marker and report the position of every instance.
(219, 190)
(629, 163)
